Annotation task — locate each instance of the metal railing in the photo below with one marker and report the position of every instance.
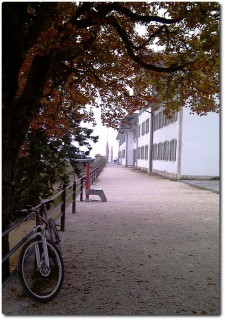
(64, 198)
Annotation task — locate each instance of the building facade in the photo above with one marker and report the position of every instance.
(185, 146)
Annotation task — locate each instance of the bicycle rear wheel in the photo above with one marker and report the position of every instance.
(41, 283)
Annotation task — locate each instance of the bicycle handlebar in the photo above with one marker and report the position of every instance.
(46, 202)
(30, 209)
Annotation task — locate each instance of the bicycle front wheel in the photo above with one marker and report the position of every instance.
(39, 281)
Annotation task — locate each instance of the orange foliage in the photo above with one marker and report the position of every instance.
(102, 60)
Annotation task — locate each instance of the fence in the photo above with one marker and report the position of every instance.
(67, 195)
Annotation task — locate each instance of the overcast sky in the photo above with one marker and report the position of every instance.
(105, 134)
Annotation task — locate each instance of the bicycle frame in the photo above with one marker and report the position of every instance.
(40, 231)
(40, 265)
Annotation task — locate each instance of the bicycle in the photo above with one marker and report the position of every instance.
(40, 265)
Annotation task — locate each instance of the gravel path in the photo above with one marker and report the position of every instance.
(152, 249)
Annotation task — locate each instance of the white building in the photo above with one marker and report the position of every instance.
(143, 141)
(128, 140)
(183, 147)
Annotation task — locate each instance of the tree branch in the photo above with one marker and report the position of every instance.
(105, 9)
(135, 58)
(153, 35)
(115, 6)
(82, 9)
(101, 17)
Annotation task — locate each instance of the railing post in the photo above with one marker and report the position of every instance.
(74, 197)
(63, 208)
(96, 170)
(81, 188)
(88, 179)
(92, 176)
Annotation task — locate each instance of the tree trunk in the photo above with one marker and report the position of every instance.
(7, 201)
(17, 114)
(16, 121)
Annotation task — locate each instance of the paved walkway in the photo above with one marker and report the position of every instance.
(151, 249)
(212, 185)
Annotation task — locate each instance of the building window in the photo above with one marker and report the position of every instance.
(139, 131)
(156, 124)
(155, 152)
(134, 155)
(147, 126)
(173, 149)
(123, 154)
(167, 121)
(146, 152)
(174, 116)
(165, 150)
(160, 151)
(142, 152)
(139, 153)
(143, 128)
(160, 120)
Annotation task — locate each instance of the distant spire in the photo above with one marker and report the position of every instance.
(107, 146)
(107, 151)
(111, 158)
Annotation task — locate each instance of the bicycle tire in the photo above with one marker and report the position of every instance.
(41, 284)
(53, 234)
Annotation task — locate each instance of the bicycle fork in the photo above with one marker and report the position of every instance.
(43, 264)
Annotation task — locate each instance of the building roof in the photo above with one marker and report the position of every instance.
(129, 121)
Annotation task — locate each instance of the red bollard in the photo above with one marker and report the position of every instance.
(87, 161)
